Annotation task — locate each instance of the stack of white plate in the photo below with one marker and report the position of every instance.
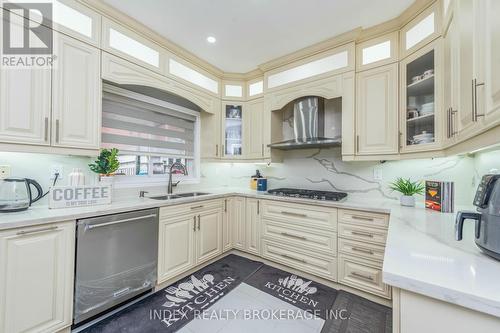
(427, 108)
(424, 137)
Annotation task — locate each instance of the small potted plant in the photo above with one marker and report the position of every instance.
(106, 164)
(408, 189)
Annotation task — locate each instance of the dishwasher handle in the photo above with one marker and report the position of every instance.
(93, 226)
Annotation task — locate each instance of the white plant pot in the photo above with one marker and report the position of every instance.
(407, 200)
(107, 180)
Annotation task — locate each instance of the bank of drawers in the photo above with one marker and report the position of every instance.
(301, 236)
(361, 246)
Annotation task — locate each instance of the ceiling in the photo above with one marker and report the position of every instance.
(252, 32)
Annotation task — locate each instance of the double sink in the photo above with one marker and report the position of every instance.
(178, 196)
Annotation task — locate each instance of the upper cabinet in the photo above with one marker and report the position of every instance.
(127, 44)
(76, 94)
(377, 52)
(420, 99)
(486, 79)
(232, 130)
(233, 90)
(421, 30)
(377, 111)
(255, 88)
(24, 103)
(338, 60)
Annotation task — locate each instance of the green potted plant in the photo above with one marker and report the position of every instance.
(106, 164)
(408, 189)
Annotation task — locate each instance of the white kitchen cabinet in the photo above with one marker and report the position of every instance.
(25, 104)
(209, 235)
(423, 29)
(233, 116)
(236, 218)
(377, 111)
(189, 235)
(252, 237)
(492, 62)
(76, 94)
(176, 250)
(421, 99)
(254, 129)
(36, 278)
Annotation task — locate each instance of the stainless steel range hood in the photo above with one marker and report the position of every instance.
(308, 126)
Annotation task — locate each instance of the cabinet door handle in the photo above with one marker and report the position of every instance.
(262, 149)
(473, 104)
(27, 232)
(400, 140)
(357, 249)
(225, 205)
(196, 207)
(222, 151)
(476, 115)
(194, 223)
(293, 258)
(362, 276)
(46, 130)
(293, 236)
(364, 234)
(448, 119)
(216, 150)
(357, 143)
(363, 218)
(293, 214)
(57, 130)
(199, 222)
(452, 123)
(258, 207)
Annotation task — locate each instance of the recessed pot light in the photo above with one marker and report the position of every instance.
(211, 39)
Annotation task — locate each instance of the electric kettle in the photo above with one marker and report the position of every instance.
(16, 195)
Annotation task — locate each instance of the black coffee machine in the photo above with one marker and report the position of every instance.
(487, 228)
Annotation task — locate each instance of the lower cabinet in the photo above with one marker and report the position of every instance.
(236, 220)
(36, 278)
(189, 235)
(361, 248)
(252, 221)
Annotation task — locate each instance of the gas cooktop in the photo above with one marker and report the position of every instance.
(308, 194)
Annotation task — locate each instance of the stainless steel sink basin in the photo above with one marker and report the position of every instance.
(178, 196)
(191, 194)
(166, 197)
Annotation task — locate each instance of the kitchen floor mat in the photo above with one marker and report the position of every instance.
(295, 290)
(363, 316)
(173, 307)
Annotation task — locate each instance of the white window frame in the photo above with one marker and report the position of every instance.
(159, 180)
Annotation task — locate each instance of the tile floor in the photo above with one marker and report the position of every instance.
(246, 299)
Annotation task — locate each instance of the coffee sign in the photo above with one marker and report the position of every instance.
(79, 196)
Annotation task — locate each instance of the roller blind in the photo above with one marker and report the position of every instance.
(135, 126)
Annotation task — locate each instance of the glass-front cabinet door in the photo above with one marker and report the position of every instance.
(420, 100)
(232, 146)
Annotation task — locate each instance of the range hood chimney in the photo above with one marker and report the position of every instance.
(308, 126)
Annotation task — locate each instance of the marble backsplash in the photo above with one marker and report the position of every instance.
(324, 170)
(312, 169)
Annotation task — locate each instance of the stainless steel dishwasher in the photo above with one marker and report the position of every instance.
(116, 260)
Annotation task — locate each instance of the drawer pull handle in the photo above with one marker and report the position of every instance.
(293, 258)
(293, 214)
(364, 234)
(361, 276)
(27, 232)
(196, 207)
(357, 249)
(293, 236)
(357, 217)
(194, 224)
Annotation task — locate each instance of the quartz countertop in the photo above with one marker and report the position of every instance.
(421, 253)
